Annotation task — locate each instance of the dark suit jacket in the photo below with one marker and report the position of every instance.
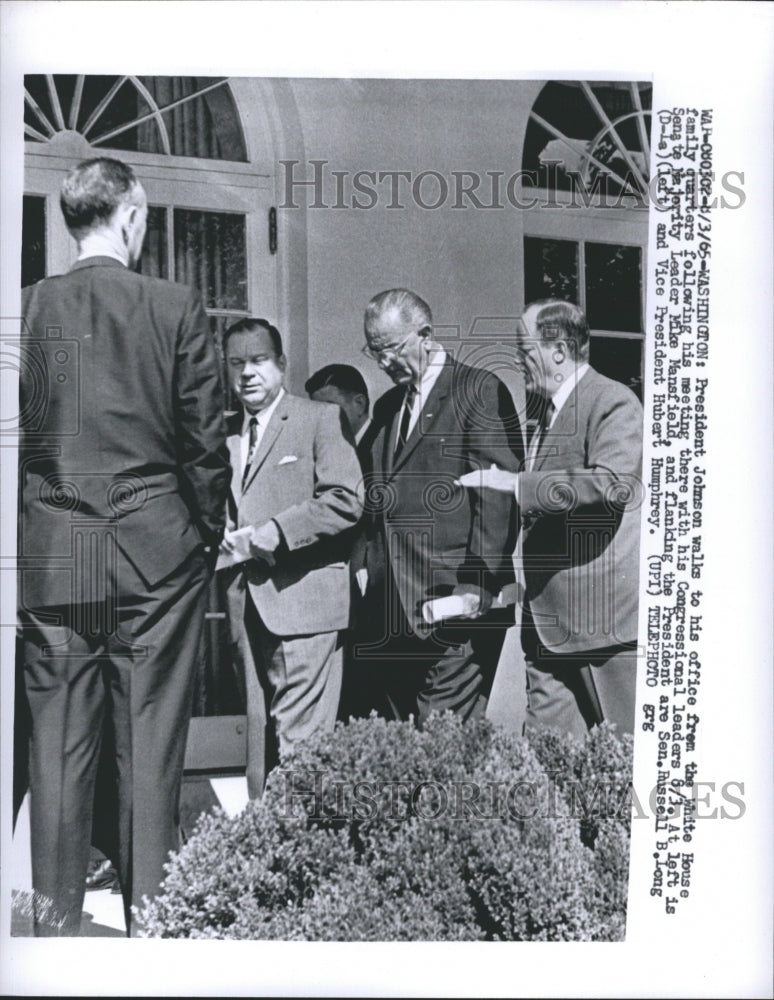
(123, 431)
(433, 534)
(306, 477)
(581, 507)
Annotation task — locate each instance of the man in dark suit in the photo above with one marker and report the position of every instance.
(346, 387)
(123, 481)
(296, 495)
(427, 538)
(580, 496)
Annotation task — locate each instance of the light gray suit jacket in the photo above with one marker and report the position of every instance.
(306, 478)
(581, 507)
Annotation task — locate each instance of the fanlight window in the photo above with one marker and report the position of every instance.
(168, 115)
(590, 135)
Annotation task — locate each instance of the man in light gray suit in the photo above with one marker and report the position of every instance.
(580, 496)
(296, 495)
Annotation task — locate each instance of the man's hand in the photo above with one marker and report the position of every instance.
(227, 542)
(477, 601)
(489, 479)
(265, 541)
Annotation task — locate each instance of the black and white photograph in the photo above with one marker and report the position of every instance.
(369, 429)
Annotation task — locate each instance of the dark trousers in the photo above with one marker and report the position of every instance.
(137, 665)
(573, 692)
(450, 668)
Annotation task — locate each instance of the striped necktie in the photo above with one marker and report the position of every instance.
(546, 416)
(251, 448)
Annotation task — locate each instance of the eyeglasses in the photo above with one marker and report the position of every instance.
(386, 354)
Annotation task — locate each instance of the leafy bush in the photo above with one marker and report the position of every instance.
(385, 832)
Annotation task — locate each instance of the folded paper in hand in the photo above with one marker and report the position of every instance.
(454, 606)
(241, 553)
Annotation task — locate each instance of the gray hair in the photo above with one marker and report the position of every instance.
(93, 190)
(410, 307)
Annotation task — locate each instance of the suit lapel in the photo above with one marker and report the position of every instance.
(567, 421)
(270, 435)
(427, 417)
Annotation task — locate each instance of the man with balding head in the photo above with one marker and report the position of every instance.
(580, 495)
(427, 538)
(123, 481)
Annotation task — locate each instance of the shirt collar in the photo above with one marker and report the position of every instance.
(430, 375)
(263, 416)
(361, 432)
(562, 394)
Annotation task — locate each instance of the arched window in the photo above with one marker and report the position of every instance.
(585, 168)
(170, 115)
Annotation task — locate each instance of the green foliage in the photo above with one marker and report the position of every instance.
(385, 832)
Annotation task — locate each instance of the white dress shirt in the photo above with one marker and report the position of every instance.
(435, 365)
(262, 418)
(361, 432)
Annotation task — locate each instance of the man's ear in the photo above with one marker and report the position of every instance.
(362, 402)
(282, 362)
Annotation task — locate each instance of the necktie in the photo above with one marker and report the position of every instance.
(405, 420)
(546, 416)
(251, 448)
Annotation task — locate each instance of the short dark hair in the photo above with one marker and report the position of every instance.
(558, 320)
(250, 325)
(346, 378)
(93, 190)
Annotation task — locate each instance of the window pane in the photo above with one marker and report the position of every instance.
(155, 259)
(210, 254)
(219, 325)
(619, 358)
(550, 269)
(33, 239)
(613, 287)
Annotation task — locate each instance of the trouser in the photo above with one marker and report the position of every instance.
(450, 668)
(292, 686)
(137, 665)
(573, 692)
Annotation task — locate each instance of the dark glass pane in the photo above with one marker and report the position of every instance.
(219, 325)
(550, 269)
(125, 106)
(206, 126)
(33, 239)
(35, 85)
(210, 254)
(614, 287)
(619, 358)
(155, 258)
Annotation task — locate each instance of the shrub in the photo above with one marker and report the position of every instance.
(385, 832)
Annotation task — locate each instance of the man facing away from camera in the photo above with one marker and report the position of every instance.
(426, 537)
(580, 495)
(296, 493)
(123, 482)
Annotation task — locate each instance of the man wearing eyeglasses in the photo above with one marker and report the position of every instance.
(427, 538)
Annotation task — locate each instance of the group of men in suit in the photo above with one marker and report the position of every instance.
(313, 511)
